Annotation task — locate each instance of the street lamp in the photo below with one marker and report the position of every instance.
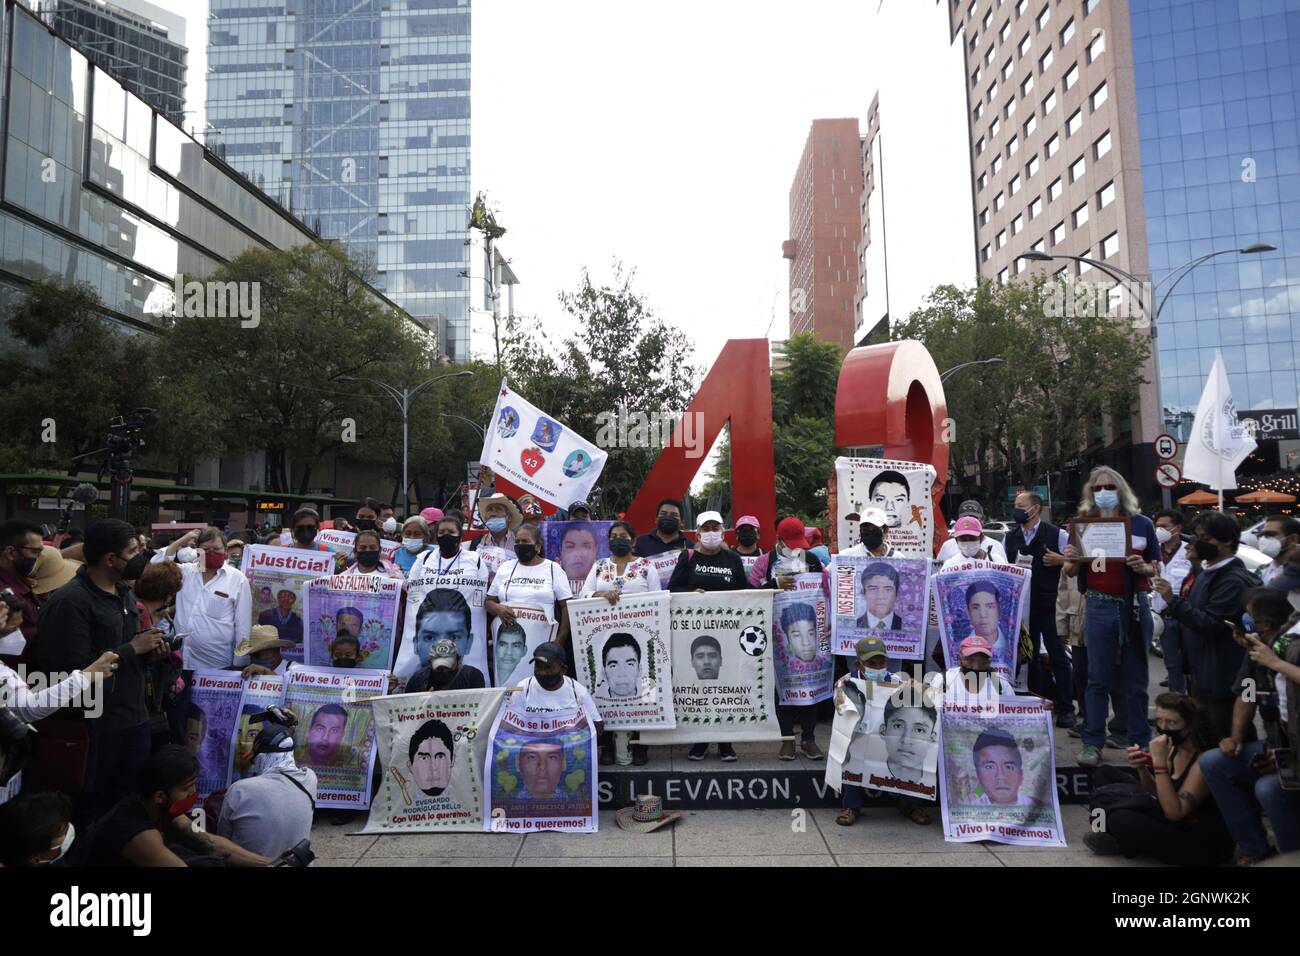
(468, 421)
(403, 397)
(996, 360)
(1178, 275)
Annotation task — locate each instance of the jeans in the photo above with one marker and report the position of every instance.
(1102, 620)
(1240, 791)
(1042, 623)
(1171, 645)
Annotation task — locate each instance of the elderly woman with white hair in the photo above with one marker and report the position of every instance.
(415, 541)
(1117, 616)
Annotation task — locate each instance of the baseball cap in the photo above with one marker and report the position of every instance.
(967, 525)
(706, 516)
(431, 515)
(970, 507)
(874, 516)
(975, 645)
(869, 647)
(444, 654)
(747, 521)
(790, 531)
(548, 652)
(579, 506)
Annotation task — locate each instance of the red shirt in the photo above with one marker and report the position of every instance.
(31, 607)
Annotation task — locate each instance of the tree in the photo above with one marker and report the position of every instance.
(72, 369)
(1063, 376)
(289, 380)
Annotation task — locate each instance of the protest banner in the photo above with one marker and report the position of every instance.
(999, 774)
(805, 667)
(576, 546)
(341, 542)
(722, 668)
(748, 560)
(541, 770)
(513, 644)
(622, 658)
(986, 599)
(665, 563)
(444, 598)
(539, 454)
(210, 726)
(881, 597)
(885, 738)
(901, 489)
(335, 735)
(362, 605)
(277, 578)
(432, 749)
(259, 693)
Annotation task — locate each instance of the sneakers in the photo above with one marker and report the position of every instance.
(811, 750)
(1066, 720)
(726, 753)
(1090, 756)
(1102, 844)
(787, 750)
(1116, 742)
(697, 752)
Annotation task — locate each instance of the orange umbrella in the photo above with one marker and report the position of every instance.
(1266, 497)
(1199, 498)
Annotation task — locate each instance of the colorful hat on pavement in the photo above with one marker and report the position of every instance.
(646, 815)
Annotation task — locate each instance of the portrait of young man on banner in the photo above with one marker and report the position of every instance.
(985, 600)
(880, 597)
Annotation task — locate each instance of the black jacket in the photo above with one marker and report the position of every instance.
(1215, 600)
(467, 678)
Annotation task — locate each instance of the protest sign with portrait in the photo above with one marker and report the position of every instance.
(335, 735)
(432, 749)
(623, 660)
(901, 489)
(984, 599)
(363, 606)
(513, 644)
(343, 542)
(999, 774)
(277, 578)
(886, 598)
(804, 665)
(210, 724)
(576, 546)
(259, 693)
(444, 599)
(886, 739)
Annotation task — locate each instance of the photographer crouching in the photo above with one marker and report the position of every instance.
(271, 811)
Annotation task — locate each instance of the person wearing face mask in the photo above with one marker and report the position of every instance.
(873, 536)
(1277, 539)
(20, 547)
(992, 548)
(1168, 812)
(445, 671)
(235, 552)
(622, 572)
(1243, 773)
(667, 535)
(96, 612)
(550, 689)
(368, 557)
(305, 524)
(367, 518)
(36, 830)
(263, 650)
(1208, 614)
(747, 541)
(1175, 563)
(388, 523)
(215, 604)
(530, 579)
(814, 541)
(1040, 546)
(968, 543)
(1117, 610)
(149, 826)
(501, 517)
(415, 541)
(270, 811)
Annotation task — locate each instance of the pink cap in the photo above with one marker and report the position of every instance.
(747, 520)
(975, 645)
(967, 525)
(431, 515)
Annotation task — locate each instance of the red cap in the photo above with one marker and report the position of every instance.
(790, 531)
(975, 645)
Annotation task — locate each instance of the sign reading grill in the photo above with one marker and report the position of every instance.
(1271, 424)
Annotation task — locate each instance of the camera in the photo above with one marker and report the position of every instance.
(276, 715)
(11, 600)
(298, 855)
(15, 744)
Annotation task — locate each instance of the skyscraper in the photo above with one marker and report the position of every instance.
(139, 44)
(356, 115)
(822, 247)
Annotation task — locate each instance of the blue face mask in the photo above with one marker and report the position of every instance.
(1106, 499)
(1248, 623)
(870, 673)
(496, 525)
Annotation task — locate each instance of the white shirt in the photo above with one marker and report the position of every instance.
(638, 576)
(217, 615)
(29, 705)
(432, 562)
(953, 684)
(570, 694)
(1175, 571)
(544, 582)
(994, 549)
(859, 550)
(1062, 538)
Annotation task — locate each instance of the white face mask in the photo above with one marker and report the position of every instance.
(1270, 546)
(710, 539)
(413, 545)
(187, 556)
(968, 549)
(1163, 535)
(64, 846)
(390, 525)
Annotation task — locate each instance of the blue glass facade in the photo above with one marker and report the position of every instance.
(1217, 88)
(355, 115)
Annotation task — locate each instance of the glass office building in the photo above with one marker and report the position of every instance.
(355, 115)
(1217, 88)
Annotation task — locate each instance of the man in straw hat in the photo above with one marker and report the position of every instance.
(263, 649)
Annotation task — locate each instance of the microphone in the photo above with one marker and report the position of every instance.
(86, 494)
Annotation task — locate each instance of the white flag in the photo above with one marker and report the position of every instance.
(539, 454)
(1218, 443)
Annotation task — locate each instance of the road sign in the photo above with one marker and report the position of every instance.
(1166, 446)
(1168, 475)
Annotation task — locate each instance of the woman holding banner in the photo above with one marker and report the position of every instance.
(623, 572)
(529, 579)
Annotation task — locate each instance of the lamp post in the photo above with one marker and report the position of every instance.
(403, 397)
(1136, 285)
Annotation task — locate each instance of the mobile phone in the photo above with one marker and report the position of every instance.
(1286, 771)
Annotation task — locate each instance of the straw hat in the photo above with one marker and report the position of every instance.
(515, 518)
(646, 815)
(261, 637)
(52, 571)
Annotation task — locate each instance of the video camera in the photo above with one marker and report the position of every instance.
(298, 855)
(276, 715)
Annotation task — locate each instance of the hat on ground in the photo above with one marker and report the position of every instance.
(874, 516)
(790, 531)
(970, 507)
(548, 652)
(967, 525)
(869, 647)
(646, 815)
(262, 637)
(514, 520)
(707, 516)
(975, 645)
(431, 515)
(747, 520)
(444, 654)
(52, 571)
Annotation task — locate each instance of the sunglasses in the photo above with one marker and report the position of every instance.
(1105, 487)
